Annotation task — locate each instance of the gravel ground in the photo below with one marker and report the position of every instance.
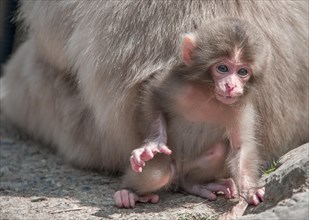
(37, 184)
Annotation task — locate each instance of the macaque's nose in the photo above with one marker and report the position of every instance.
(229, 88)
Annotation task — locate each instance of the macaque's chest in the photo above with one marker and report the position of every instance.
(201, 133)
(198, 104)
(188, 140)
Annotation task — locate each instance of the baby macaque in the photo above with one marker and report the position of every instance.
(207, 92)
(103, 80)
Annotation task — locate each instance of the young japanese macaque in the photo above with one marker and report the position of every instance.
(206, 94)
(101, 80)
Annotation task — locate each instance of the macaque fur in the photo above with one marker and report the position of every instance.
(206, 95)
(94, 76)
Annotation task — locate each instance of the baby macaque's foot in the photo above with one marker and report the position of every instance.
(127, 199)
(254, 196)
(140, 155)
(209, 190)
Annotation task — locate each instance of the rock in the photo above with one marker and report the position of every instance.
(287, 189)
(292, 208)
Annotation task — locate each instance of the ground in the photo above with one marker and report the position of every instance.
(36, 183)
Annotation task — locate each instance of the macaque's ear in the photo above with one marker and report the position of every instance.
(188, 44)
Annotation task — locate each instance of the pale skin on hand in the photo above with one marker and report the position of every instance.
(155, 143)
(141, 155)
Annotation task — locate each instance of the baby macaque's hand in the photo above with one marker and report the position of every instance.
(254, 196)
(140, 155)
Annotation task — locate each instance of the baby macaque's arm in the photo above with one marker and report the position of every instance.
(155, 143)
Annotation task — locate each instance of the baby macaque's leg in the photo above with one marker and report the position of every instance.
(140, 186)
(212, 163)
(209, 190)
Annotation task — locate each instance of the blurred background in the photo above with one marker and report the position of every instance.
(10, 30)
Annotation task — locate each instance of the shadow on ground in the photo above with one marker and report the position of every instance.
(35, 183)
(39, 183)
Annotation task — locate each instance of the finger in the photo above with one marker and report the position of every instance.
(230, 184)
(135, 167)
(254, 200)
(154, 198)
(117, 199)
(132, 198)
(137, 160)
(136, 155)
(125, 198)
(164, 149)
(260, 193)
(147, 154)
(228, 195)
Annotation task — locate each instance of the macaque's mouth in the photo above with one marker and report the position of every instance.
(228, 100)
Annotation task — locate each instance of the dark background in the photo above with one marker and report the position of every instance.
(9, 30)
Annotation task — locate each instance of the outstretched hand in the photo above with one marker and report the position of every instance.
(140, 155)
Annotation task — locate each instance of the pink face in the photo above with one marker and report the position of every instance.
(230, 78)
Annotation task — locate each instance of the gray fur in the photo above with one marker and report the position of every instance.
(77, 81)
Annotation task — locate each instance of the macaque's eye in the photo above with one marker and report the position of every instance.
(222, 68)
(243, 72)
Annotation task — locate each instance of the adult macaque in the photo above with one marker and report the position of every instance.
(98, 79)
